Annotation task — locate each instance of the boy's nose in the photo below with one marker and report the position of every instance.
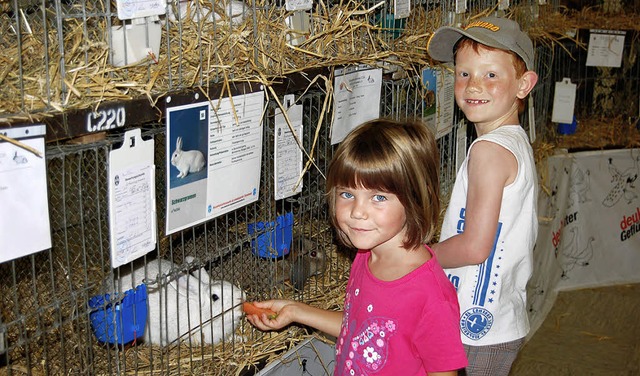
(473, 85)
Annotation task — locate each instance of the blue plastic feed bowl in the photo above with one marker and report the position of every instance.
(274, 238)
(568, 128)
(119, 321)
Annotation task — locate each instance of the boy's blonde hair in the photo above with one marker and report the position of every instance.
(394, 157)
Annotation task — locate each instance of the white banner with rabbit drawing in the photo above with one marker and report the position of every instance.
(589, 211)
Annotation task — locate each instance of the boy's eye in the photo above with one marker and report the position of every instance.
(379, 198)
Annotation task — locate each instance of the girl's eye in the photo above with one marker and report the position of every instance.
(492, 75)
(346, 195)
(379, 198)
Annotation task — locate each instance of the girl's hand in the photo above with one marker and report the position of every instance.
(285, 310)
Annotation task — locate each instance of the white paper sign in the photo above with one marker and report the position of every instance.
(356, 99)
(128, 9)
(24, 208)
(217, 167)
(605, 48)
(293, 5)
(288, 153)
(532, 119)
(564, 100)
(438, 99)
(132, 199)
(461, 6)
(461, 143)
(401, 9)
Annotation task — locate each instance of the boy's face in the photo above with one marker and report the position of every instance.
(486, 87)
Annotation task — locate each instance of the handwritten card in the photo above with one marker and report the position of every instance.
(132, 199)
(288, 152)
(564, 100)
(605, 48)
(356, 99)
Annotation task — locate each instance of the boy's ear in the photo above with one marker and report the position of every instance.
(527, 82)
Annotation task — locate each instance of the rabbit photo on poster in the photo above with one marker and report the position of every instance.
(186, 161)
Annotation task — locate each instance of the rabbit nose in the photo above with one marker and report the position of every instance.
(215, 297)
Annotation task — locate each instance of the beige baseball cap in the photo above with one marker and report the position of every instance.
(496, 32)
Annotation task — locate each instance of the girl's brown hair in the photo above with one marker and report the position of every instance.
(399, 157)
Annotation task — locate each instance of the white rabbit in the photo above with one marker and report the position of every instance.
(186, 160)
(186, 308)
(235, 11)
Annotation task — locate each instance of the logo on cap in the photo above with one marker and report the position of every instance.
(484, 25)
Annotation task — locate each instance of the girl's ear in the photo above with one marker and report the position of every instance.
(527, 82)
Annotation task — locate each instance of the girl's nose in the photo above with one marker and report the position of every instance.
(358, 211)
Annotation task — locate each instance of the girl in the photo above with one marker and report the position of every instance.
(400, 311)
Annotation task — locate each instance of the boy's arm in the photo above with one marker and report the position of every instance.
(491, 167)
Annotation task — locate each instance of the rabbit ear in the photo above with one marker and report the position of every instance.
(179, 143)
(186, 286)
(205, 279)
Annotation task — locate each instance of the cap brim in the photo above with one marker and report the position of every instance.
(440, 46)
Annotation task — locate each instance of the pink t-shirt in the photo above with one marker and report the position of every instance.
(409, 326)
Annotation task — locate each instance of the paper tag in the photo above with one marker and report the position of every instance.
(564, 100)
(292, 5)
(532, 120)
(128, 9)
(401, 9)
(605, 48)
(503, 4)
(132, 199)
(461, 6)
(461, 143)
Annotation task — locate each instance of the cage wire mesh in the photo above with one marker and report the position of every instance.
(45, 317)
(45, 314)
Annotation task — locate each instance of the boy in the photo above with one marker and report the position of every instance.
(490, 227)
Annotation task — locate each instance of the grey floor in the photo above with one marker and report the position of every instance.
(587, 332)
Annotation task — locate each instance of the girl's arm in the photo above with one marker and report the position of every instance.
(491, 168)
(291, 311)
(447, 373)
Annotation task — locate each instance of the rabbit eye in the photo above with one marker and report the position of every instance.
(313, 254)
(215, 297)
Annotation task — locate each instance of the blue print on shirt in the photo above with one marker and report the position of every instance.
(484, 270)
(484, 273)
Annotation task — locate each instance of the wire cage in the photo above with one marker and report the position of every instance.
(61, 58)
(46, 315)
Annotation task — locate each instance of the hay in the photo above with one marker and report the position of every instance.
(197, 54)
(59, 308)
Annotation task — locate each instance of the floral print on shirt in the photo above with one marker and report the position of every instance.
(367, 348)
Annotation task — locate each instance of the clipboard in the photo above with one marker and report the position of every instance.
(132, 199)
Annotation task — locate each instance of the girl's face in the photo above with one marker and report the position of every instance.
(371, 219)
(486, 87)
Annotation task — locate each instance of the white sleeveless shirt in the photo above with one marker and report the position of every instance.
(492, 295)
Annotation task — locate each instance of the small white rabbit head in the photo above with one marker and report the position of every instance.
(186, 161)
(176, 156)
